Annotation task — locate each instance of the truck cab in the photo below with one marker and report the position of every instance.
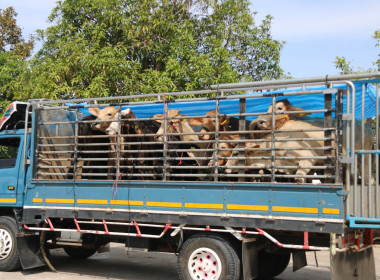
(12, 171)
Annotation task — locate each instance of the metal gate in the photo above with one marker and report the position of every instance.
(329, 148)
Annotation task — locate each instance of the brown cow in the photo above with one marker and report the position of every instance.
(281, 106)
(264, 122)
(185, 133)
(208, 124)
(293, 157)
(109, 117)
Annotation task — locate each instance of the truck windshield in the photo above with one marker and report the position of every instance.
(8, 152)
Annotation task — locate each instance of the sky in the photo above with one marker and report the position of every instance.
(316, 32)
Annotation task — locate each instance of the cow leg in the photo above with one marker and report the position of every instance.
(303, 172)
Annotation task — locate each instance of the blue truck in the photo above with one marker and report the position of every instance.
(67, 185)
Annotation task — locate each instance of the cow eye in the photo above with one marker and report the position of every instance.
(110, 114)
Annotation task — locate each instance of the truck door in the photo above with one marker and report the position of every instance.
(9, 169)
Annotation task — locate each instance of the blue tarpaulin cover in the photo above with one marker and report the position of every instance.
(261, 104)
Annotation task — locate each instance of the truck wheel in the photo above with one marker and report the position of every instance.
(9, 259)
(208, 257)
(271, 265)
(80, 252)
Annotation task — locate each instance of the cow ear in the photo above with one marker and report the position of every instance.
(235, 137)
(224, 120)
(292, 108)
(250, 145)
(126, 112)
(94, 111)
(159, 116)
(197, 121)
(253, 125)
(182, 120)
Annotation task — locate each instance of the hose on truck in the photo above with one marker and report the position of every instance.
(42, 247)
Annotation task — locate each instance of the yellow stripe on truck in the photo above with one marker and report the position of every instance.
(127, 202)
(295, 209)
(164, 204)
(204, 205)
(247, 207)
(91, 201)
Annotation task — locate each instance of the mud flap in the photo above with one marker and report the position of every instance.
(352, 265)
(250, 259)
(28, 251)
(299, 260)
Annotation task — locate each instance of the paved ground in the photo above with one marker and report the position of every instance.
(153, 266)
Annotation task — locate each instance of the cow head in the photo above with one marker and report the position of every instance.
(113, 128)
(172, 124)
(226, 148)
(109, 115)
(250, 149)
(264, 122)
(285, 106)
(209, 124)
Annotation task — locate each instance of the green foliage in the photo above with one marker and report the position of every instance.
(376, 36)
(99, 48)
(10, 35)
(14, 51)
(8, 152)
(344, 66)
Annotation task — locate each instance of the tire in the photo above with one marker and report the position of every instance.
(270, 265)
(79, 252)
(208, 257)
(9, 258)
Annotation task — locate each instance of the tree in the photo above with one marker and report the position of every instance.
(344, 65)
(120, 47)
(14, 51)
(376, 36)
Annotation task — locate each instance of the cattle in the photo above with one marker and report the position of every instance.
(183, 147)
(225, 148)
(208, 124)
(292, 157)
(281, 106)
(130, 148)
(265, 123)
(104, 118)
(90, 156)
(185, 133)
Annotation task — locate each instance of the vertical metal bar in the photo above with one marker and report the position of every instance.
(25, 137)
(241, 145)
(363, 118)
(352, 136)
(273, 152)
(216, 142)
(76, 129)
(37, 130)
(377, 214)
(351, 196)
(328, 124)
(355, 191)
(165, 143)
(361, 190)
(369, 185)
(339, 137)
(377, 187)
(362, 156)
(118, 145)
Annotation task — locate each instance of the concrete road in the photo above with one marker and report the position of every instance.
(153, 266)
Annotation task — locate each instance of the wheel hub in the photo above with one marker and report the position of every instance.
(205, 264)
(5, 244)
